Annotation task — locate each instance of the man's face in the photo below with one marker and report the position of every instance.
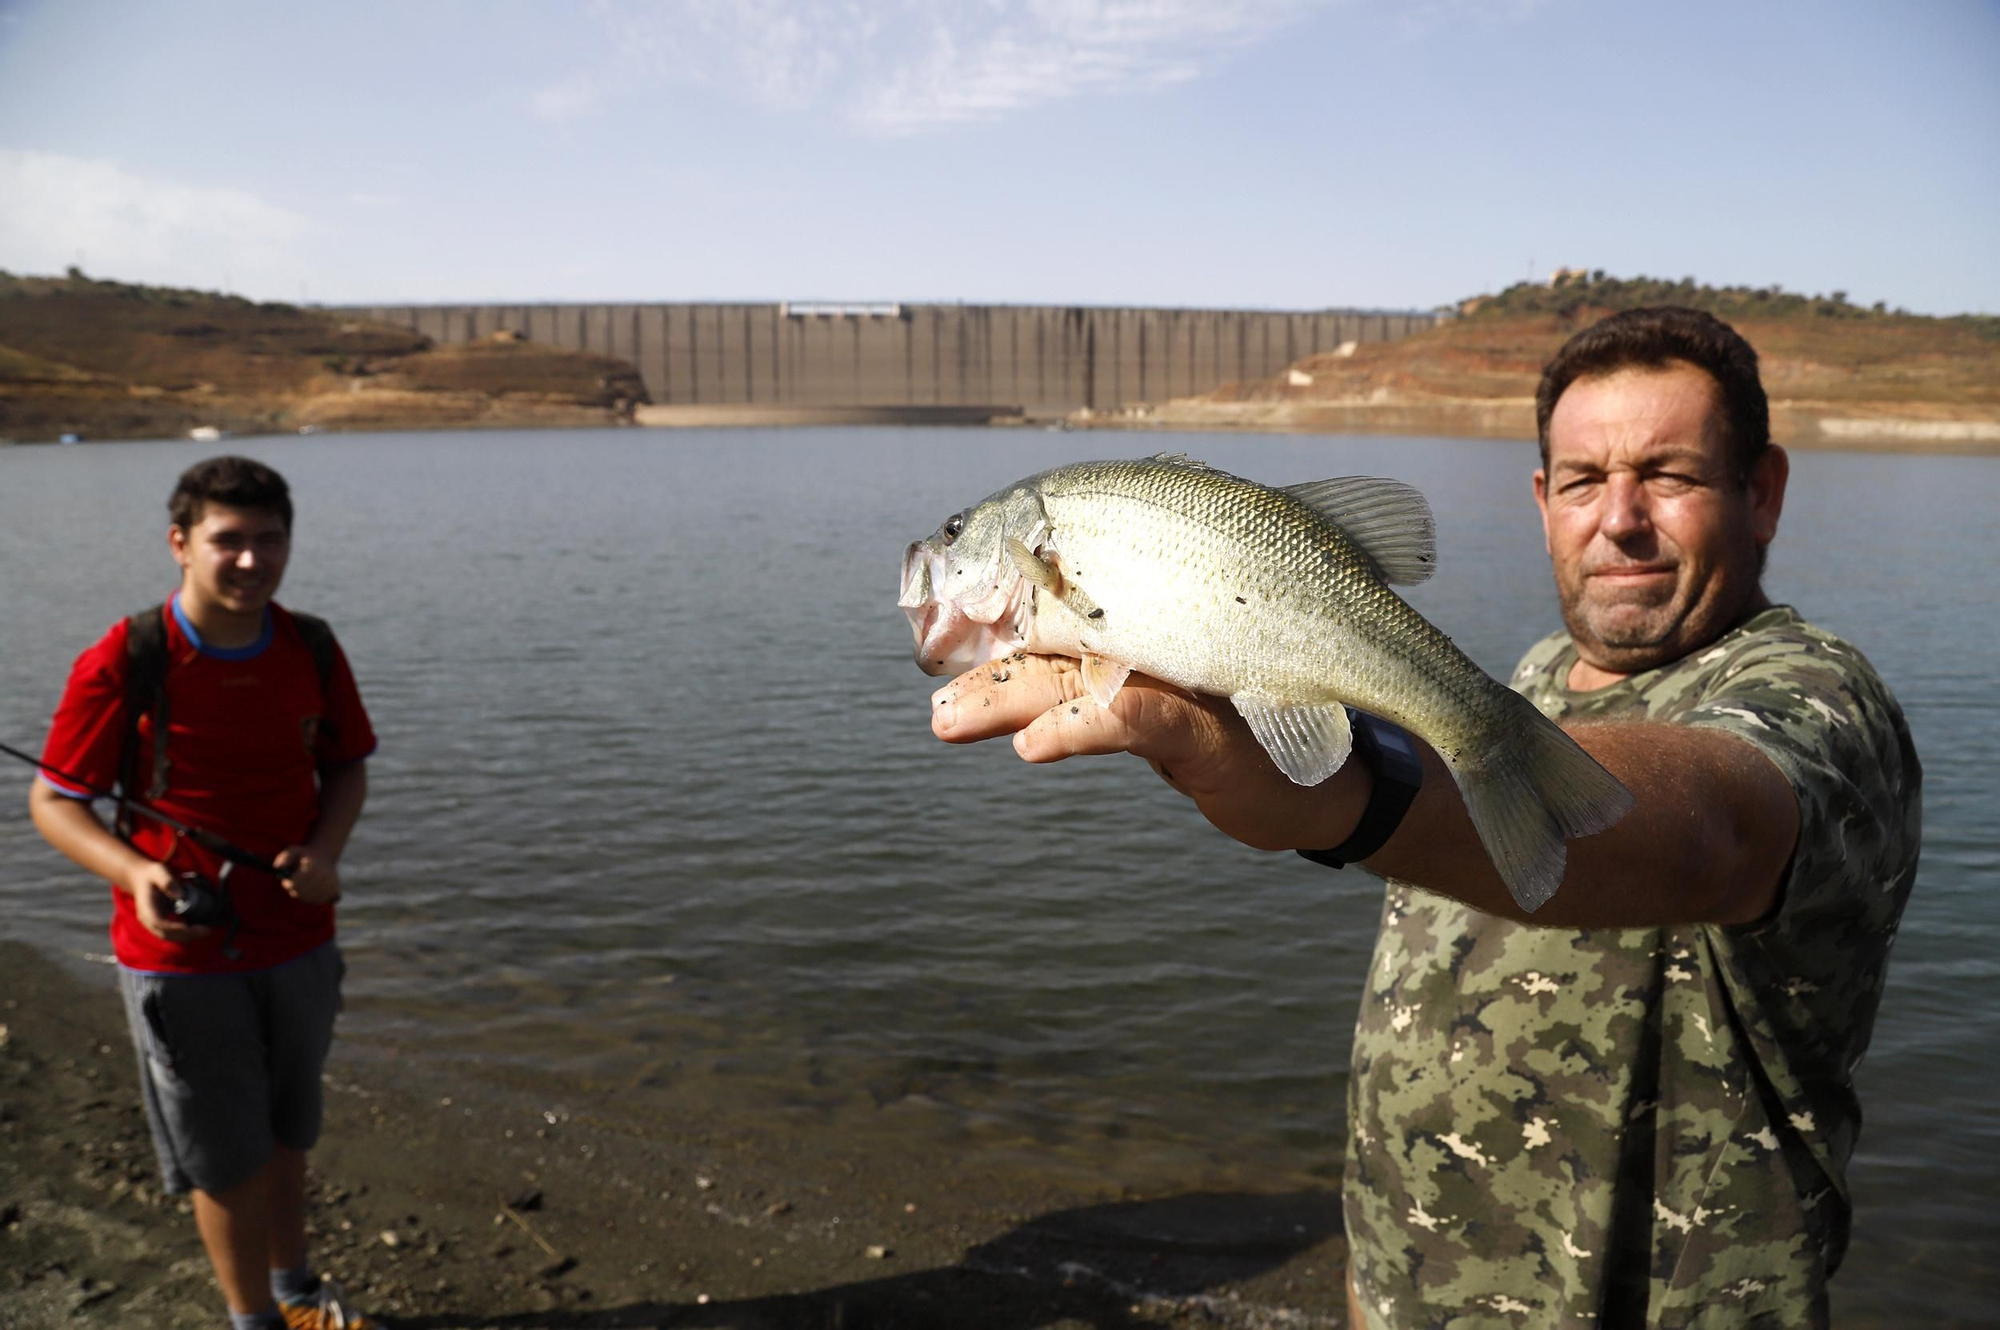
(1654, 543)
(231, 559)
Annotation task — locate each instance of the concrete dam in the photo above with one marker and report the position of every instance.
(709, 363)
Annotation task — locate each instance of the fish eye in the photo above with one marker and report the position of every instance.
(952, 526)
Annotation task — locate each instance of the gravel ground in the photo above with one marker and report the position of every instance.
(437, 1214)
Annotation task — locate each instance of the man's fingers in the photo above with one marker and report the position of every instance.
(1001, 696)
(1199, 744)
(1041, 701)
(1075, 727)
(1168, 727)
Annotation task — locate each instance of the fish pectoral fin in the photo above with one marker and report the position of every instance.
(1034, 567)
(1389, 520)
(1103, 678)
(1045, 572)
(1308, 741)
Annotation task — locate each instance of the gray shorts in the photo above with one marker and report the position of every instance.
(230, 1064)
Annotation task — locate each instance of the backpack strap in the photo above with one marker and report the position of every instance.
(319, 640)
(145, 693)
(318, 637)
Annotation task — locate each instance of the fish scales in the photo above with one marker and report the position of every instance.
(1319, 623)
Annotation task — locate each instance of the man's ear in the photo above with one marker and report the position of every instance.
(1767, 493)
(1542, 506)
(177, 544)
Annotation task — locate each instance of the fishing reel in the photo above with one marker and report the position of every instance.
(207, 904)
(199, 902)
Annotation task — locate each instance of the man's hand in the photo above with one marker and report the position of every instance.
(309, 876)
(1198, 744)
(155, 887)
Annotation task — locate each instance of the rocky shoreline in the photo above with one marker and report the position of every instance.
(444, 1215)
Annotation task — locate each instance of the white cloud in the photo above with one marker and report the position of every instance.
(902, 66)
(1047, 50)
(568, 100)
(57, 210)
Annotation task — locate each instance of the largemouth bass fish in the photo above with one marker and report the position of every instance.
(1277, 599)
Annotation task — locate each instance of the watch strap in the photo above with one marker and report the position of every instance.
(1391, 757)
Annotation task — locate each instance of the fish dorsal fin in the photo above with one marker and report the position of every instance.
(1308, 742)
(1389, 520)
(1103, 678)
(1181, 459)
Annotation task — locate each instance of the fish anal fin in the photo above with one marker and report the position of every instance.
(1308, 741)
(1103, 678)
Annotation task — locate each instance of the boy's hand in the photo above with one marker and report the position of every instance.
(309, 877)
(154, 890)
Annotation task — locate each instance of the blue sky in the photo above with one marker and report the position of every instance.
(1261, 153)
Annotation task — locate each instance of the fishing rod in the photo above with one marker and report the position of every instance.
(199, 901)
(208, 840)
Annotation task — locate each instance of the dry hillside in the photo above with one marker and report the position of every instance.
(1837, 375)
(110, 360)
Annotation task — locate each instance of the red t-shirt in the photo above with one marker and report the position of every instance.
(248, 733)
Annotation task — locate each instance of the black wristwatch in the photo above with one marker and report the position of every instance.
(1399, 773)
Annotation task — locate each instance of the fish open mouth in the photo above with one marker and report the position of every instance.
(917, 600)
(917, 563)
(953, 636)
(930, 619)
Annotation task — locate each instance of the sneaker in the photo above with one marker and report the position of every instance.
(328, 1310)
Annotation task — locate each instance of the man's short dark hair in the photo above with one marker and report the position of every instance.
(237, 482)
(1653, 339)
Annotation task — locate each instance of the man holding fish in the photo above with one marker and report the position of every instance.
(1639, 904)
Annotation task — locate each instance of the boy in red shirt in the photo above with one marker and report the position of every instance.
(265, 737)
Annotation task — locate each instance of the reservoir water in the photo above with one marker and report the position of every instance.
(658, 826)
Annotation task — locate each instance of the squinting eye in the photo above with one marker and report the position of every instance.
(953, 525)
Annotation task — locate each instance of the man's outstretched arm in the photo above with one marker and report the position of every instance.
(1708, 840)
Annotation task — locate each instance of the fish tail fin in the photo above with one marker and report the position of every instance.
(1531, 794)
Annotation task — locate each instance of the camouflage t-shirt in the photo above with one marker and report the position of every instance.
(1644, 1126)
